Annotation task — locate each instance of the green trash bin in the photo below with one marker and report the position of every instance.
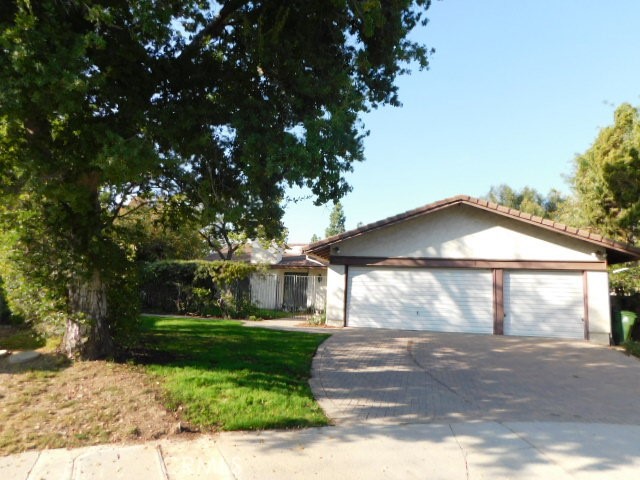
(616, 327)
(627, 319)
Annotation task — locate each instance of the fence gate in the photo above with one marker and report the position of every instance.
(296, 292)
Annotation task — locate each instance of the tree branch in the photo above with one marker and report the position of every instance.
(214, 28)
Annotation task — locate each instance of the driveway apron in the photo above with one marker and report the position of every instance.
(390, 376)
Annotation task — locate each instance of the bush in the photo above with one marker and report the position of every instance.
(5, 313)
(197, 287)
(632, 347)
(31, 301)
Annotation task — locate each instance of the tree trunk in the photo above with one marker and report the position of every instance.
(87, 335)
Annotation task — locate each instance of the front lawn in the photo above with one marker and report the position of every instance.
(220, 375)
(211, 374)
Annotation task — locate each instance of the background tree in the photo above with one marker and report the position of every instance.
(529, 200)
(606, 186)
(230, 212)
(104, 101)
(606, 179)
(336, 221)
(315, 238)
(154, 235)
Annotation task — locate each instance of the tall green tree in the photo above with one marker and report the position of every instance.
(606, 179)
(606, 185)
(104, 101)
(337, 220)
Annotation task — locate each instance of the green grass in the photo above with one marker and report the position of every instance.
(221, 375)
(266, 314)
(22, 339)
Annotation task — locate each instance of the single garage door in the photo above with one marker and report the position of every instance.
(544, 304)
(441, 300)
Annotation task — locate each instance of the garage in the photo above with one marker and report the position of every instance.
(438, 300)
(544, 304)
(467, 265)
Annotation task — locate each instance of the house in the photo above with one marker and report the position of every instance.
(289, 280)
(467, 265)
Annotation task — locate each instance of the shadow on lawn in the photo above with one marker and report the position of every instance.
(222, 344)
(46, 362)
(222, 374)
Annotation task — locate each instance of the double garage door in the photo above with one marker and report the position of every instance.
(535, 303)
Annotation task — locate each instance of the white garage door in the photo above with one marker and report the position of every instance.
(442, 300)
(544, 304)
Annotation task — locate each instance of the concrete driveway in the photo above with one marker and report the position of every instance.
(442, 386)
(388, 376)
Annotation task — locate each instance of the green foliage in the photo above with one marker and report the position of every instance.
(156, 234)
(528, 200)
(606, 179)
(5, 313)
(197, 287)
(23, 339)
(257, 313)
(318, 319)
(632, 347)
(216, 106)
(337, 220)
(315, 238)
(624, 279)
(30, 297)
(606, 185)
(222, 375)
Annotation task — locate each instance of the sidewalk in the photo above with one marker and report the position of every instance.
(455, 451)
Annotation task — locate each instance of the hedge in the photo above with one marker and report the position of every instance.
(218, 288)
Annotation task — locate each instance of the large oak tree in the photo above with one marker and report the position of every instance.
(104, 101)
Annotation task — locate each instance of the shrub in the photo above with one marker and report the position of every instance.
(197, 287)
(5, 313)
(632, 348)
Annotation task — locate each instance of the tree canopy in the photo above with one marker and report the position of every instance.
(606, 186)
(606, 179)
(216, 106)
(337, 220)
(528, 200)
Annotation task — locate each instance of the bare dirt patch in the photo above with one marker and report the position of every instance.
(52, 403)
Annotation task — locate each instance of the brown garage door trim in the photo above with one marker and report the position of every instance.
(498, 301)
(411, 262)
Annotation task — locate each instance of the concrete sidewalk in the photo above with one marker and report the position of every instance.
(486, 450)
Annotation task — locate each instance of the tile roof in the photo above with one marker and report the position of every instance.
(298, 261)
(617, 251)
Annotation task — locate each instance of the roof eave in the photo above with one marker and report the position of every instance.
(616, 252)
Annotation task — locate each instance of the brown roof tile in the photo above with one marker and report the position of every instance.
(619, 251)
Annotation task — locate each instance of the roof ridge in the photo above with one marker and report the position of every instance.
(321, 247)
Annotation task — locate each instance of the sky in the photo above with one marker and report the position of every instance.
(515, 90)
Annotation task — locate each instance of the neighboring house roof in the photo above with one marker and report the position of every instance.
(617, 252)
(244, 255)
(298, 261)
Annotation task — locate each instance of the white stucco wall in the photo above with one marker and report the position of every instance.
(599, 309)
(335, 295)
(464, 232)
(260, 254)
